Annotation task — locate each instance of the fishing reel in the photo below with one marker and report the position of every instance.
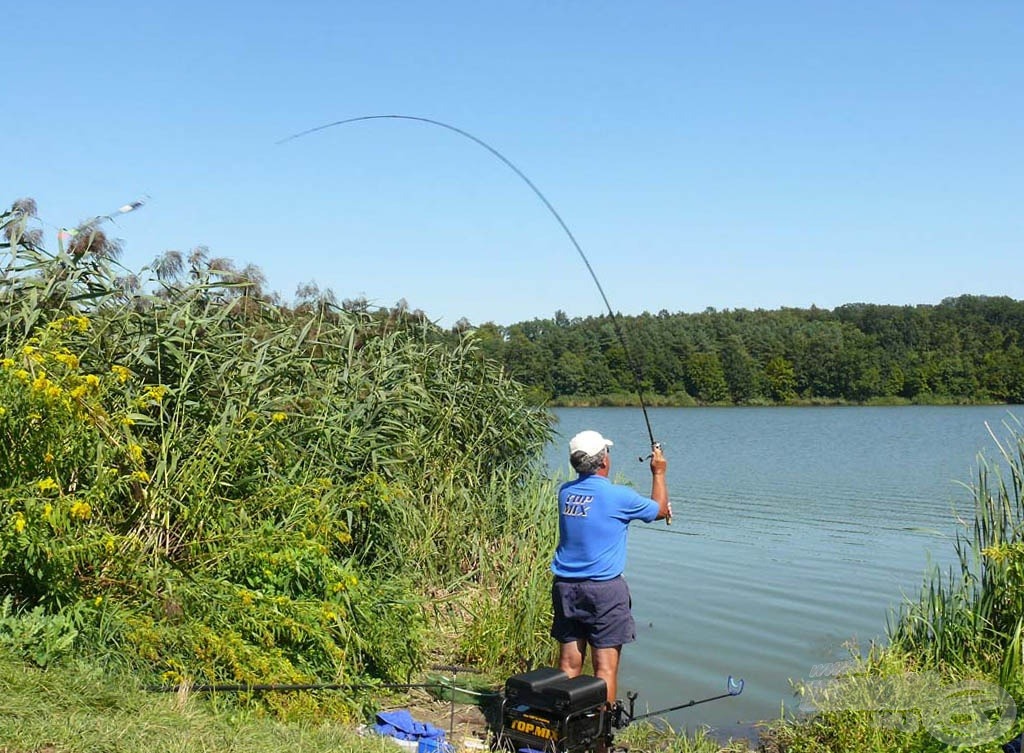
(654, 446)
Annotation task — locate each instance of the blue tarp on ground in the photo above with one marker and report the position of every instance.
(401, 725)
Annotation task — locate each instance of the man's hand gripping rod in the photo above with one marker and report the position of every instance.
(656, 447)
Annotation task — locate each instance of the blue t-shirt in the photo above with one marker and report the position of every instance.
(593, 520)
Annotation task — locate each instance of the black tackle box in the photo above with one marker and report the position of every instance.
(553, 689)
(546, 710)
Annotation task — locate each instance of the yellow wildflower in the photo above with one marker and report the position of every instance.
(156, 393)
(98, 600)
(47, 509)
(279, 417)
(68, 359)
(135, 453)
(77, 393)
(48, 457)
(22, 375)
(3, 411)
(1001, 552)
(28, 350)
(40, 383)
(81, 510)
(46, 485)
(81, 322)
(53, 392)
(7, 363)
(19, 522)
(109, 545)
(353, 581)
(92, 380)
(127, 421)
(121, 372)
(141, 476)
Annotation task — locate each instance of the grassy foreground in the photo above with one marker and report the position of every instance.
(78, 707)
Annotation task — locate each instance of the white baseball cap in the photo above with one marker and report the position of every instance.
(588, 442)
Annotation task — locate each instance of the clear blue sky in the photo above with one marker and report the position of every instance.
(743, 154)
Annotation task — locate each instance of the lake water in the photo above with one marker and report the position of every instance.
(795, 531)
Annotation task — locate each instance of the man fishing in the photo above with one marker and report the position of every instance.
(590, 597)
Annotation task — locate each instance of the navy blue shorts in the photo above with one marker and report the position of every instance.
(595, 611)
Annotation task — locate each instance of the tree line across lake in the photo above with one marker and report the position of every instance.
(963, 350)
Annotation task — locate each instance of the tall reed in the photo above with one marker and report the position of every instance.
(972, 617)
(221, 488)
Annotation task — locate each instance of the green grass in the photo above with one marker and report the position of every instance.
(644, 736)
(79, 708)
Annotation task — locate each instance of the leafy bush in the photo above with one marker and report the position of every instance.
(36, 636)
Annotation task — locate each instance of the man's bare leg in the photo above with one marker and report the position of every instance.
(606, 666)
(571, 656)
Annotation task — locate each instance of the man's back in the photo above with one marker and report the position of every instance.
(593, 522)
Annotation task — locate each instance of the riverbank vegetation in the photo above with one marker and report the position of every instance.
(198, 486)
(968, 349)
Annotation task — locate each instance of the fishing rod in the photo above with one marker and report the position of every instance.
(611, 312)
(302, 687)
(733, 688)
(440, 685)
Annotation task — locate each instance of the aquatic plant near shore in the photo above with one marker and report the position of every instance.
(973, 618)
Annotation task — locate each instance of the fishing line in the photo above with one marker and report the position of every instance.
(614, 317)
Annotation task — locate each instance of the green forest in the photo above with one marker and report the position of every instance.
(968, 349)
